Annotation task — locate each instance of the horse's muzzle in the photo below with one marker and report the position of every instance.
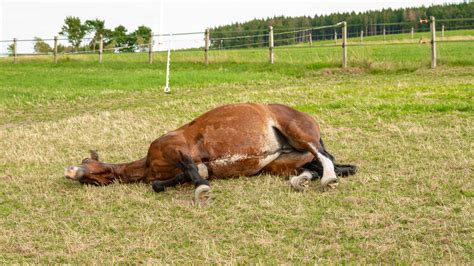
(73, 172)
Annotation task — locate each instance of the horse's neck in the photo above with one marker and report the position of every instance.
(130, 172)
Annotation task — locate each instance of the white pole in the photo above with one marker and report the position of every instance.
(433, 42)
(162, 12)
(1, 27)
(167, 86)
(270, 44)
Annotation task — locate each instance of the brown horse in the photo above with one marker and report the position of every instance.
(228, 141)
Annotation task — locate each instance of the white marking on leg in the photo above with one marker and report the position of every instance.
(202, 170)
(301, 181)
(306, 173)
(329, 175)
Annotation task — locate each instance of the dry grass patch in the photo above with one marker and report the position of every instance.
(411, 202)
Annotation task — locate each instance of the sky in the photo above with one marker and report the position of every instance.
(25, 19)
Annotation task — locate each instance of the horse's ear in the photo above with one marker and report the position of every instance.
(94, 155)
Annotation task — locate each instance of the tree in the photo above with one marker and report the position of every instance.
(74, 30)
(10, 49)
(41, 47)
(401, 19)
(142, 35)
(97, 27)
(61, 48)
(126, 42)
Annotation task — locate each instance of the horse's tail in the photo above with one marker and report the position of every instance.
(345, 169)
(340, 169)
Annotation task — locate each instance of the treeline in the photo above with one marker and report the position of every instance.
(85, 36)
(371, 22)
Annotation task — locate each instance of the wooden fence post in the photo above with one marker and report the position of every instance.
(101, 48)
(442, 32)
(310, 39)
(412, 33)
(55, 51)
(384, 34)
(150, 49)
(433, 42)
(335, 36)
(14, 51)
(270, 44)
(361, 36)
(344, 44)
(206, 47)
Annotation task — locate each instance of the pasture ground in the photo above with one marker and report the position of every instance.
(407, 127)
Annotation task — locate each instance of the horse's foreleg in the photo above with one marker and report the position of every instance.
(202, 194)
(159, 186)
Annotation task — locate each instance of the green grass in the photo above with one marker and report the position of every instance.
(407, 127)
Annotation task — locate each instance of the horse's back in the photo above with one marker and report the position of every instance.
(231, 129)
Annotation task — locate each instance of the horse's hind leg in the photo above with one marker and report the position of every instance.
(202, 194)
(340, 169)
(329, 175)
(304, 135)
(290, 165)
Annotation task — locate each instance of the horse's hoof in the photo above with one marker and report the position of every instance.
(158, 187)
(202, 195)
(300, 182)
(329, 183)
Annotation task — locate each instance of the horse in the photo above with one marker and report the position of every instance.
(229, 141)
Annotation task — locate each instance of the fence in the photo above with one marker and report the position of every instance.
(341, 34)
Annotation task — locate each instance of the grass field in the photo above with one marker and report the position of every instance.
(408, 128)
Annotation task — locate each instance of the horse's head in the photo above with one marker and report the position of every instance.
(90, 171)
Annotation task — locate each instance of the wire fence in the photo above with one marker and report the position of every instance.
(402, 33)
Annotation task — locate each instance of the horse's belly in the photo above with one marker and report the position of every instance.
(240, 164)
(239, 145)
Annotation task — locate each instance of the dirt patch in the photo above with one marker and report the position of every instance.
(349, 70)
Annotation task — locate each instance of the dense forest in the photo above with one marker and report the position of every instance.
(453, 16)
